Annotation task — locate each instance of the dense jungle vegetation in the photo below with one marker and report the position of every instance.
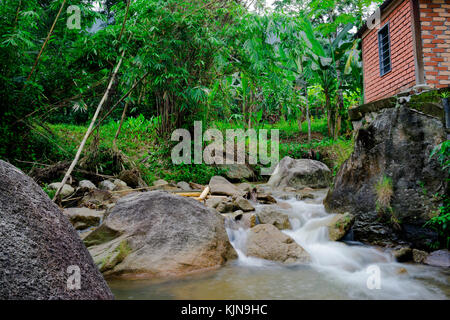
(160, 65)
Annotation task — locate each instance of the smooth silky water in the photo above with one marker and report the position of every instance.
(338, 270)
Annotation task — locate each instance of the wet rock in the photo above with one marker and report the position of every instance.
(120, 183)
(82, 218)
(265, 241)
(121, 191)
(284, 205)
(66, 191)
(196, 186)
(96, 199)
(86, 184)
(106, 185)
(339, 225)
(396, 144)
(237, 172)
(213, 202)
(304, 196)
(160, 182)
(183, 185)
(403, 254)
(265, 198)
(243, 204)
(439, 258)
(286, 197)
(132, 178)
(246, 187)
(401, 271)
(226, 206)
(221, 186)
(300, 173)
(269, 215)
(248, 220)
(419, 256)
(38, 245)
(165, 234)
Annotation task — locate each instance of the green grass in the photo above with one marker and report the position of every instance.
(139, 142)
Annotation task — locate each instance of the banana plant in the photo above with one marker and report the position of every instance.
(326, 65)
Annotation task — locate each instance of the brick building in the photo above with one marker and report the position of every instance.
(408, 50)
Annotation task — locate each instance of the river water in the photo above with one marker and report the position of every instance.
(338, 270)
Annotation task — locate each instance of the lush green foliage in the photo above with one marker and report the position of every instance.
(291, 68)
(441, 222)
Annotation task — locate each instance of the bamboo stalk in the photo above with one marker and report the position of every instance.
(45, 42)
(88, 132)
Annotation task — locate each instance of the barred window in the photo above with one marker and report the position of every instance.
(384, 49)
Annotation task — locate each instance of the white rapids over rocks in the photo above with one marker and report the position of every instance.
(352, 266)
(338, 270)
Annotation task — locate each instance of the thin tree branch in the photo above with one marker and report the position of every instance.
(45, 43)
(88, 132)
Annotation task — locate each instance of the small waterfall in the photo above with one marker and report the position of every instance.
(348, 265)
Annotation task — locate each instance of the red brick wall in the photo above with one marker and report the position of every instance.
(402, 74)
(435, 29)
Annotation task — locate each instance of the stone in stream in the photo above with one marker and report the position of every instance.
(221, 186)
(119, 183)
(226, 206)
(419, 256)
(213, 202)
(66, 191)
(237, 172)
(86, 184)
(40, 251)
(158, 234)
(397, 144)
(439, 258)
(339, 225)
(265, 241)
(403, 254)
(270, 215)
(160, 182)
(246, 187)
(96, 199)
(243, 204)
(183, 185)
(106, 185)
(132, 178)
(300, 173)
(82, 218)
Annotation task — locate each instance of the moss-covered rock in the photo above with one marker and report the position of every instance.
(340, 225)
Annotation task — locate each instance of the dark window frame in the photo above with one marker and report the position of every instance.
(381, 58)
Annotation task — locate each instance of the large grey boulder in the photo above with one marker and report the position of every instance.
(396, 144)
(265, 241)
(39, 249)
(158, 234)
(300, 173)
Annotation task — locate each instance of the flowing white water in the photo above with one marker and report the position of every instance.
(338, 270)
(354, 268)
